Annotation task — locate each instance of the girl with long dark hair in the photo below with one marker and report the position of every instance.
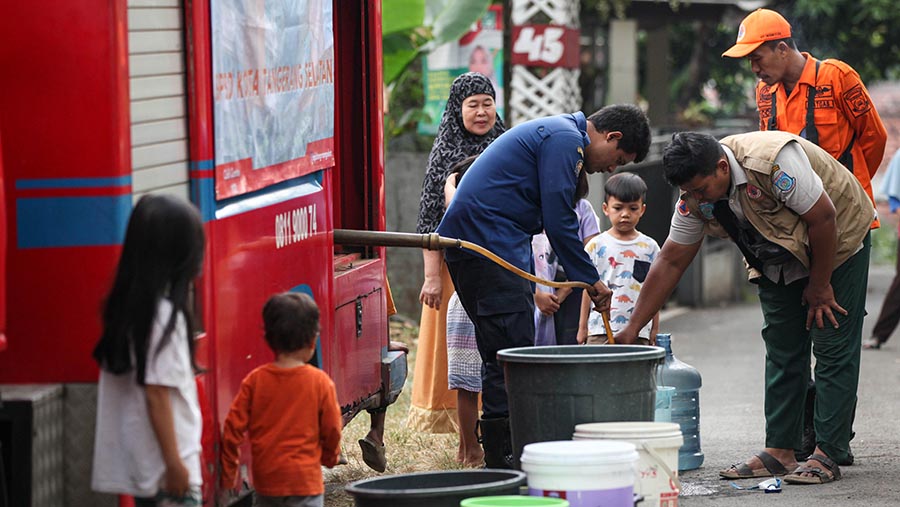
(148, 416)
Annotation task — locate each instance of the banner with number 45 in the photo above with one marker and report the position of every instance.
(545, 46)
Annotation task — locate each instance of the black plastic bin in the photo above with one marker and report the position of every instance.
(434, 489)
(552, 389)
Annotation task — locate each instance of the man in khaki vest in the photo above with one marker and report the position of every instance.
(823, 101)
(801, 221)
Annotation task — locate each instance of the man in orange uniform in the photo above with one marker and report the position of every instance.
(824, 101)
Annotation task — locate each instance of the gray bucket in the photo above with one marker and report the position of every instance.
(434, 489)
(552, 389)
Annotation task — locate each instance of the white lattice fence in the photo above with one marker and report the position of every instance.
(559, 12)
(534, 97)
(537, 91)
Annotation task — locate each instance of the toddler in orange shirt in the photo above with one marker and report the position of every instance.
(289, 411)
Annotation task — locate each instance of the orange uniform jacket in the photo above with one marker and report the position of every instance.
(843, 112)
(294, 425)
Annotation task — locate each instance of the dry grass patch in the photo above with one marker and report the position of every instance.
(408, 451)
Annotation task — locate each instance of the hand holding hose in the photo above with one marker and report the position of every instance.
(601, 296)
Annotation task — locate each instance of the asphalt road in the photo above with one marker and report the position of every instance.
(725, 345)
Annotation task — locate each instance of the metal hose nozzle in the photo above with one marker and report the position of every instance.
(381, 238)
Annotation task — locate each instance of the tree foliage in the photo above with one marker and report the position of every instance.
(697, 64)
(405, 110)
(410, 30)
(858, 32)
(855, 31)
(414, 27)
(863, 33)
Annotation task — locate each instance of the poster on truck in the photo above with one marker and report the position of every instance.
(479, 50)
(273, 73)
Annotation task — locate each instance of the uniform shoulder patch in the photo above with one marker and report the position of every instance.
(682, 208)
(783, 181)
(580, 164)
(706, 209)
(857, 101)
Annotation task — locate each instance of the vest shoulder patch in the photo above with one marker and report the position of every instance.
(782, 180)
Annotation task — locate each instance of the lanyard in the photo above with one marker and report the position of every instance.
(810, 130)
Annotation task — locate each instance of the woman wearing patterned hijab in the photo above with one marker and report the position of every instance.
(469, 124)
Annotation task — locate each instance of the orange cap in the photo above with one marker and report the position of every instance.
(760, 26)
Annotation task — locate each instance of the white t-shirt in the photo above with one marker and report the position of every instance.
(623, 267)
(127, 456)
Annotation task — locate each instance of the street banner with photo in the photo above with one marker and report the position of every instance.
(273, 72)
(479, 50)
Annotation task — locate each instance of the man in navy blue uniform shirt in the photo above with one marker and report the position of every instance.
(522, 184)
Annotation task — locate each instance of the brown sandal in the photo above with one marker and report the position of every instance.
(819, 476)
(373, 454)
(771, 467)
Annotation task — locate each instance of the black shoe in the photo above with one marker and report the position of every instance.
(496, 441)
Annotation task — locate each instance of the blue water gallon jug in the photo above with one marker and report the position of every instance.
(685, 402)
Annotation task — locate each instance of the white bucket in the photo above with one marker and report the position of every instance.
(586, 474)
(657, 443)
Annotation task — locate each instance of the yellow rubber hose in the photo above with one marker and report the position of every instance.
(433, 241)
(468, 245)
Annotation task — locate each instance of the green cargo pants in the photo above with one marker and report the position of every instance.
(836, 351)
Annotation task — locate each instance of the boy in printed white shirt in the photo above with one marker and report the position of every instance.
(622, 256)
